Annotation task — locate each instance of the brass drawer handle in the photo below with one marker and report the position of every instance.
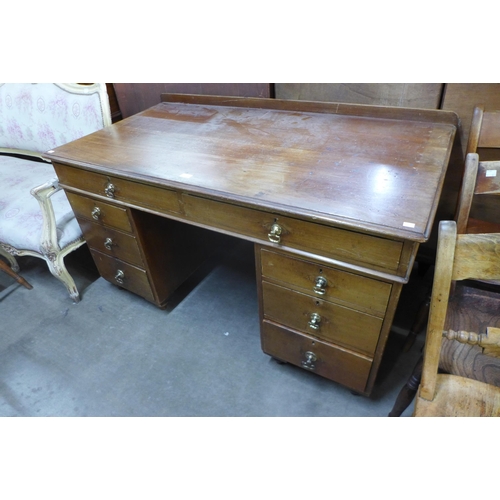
(315, 321)
(275, 234)
(110, 190)
(108, 243)
(96, 213)
(320, 285)
(120, 276)
(308, 363)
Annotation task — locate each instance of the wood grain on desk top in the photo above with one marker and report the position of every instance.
(377, 174)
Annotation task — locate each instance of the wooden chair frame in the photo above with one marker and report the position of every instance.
(479, 178)
(459, 257)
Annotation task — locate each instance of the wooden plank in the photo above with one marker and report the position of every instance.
(463, 97)
(136, 97)
(490, 130)
(348, 109)
(412, 95)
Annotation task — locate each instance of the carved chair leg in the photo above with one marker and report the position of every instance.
(58, 269)
(407, 393)
(4, 267)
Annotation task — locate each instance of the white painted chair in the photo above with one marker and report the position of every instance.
(36, 218)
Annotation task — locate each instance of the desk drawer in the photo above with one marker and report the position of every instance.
(114, 243)
(319, 239)
(327, 283)
(327, 360)
(144, 195)
(321, 319)
(100, 212)
(122, 274)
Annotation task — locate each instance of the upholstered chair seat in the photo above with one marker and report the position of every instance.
(21, 218)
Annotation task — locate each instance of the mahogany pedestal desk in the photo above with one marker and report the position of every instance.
(335, 197)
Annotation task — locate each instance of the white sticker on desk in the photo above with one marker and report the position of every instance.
(491, 173)
(408, 224)
(186, 176)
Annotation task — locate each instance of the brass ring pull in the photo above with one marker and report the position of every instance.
(315, 321)
(108, 243)
(308, 363)
(110, 190)
(120, 276)
(320, 285)
(96, 213)
(275, 234)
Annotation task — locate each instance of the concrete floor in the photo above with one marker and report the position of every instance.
(114, 354)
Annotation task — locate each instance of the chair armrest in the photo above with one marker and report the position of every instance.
(23, 153)
(49, 229)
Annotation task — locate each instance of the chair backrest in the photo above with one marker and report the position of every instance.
(459, 257)
(478, 202)
(37, 117)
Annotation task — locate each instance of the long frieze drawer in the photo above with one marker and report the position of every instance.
(116, 244)
(329, 361)
(326, 241)
(100, 212)
(163, 200)
(326, 282)
(124, 275)
(322, 319)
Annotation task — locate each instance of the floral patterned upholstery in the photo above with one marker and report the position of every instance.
(38, 117)
(35, 215)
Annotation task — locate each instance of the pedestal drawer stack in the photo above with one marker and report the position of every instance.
(110, 235)
(321, 318)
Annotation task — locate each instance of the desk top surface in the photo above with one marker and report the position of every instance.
(380, 173)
